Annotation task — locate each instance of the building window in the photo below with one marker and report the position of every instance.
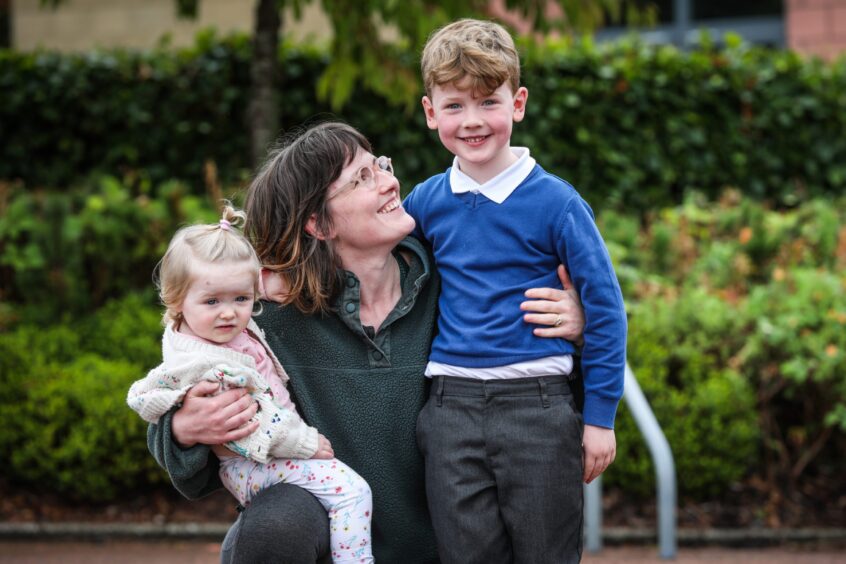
(719, 9)
(680, 21)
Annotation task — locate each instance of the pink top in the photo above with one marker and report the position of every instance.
(245, 344)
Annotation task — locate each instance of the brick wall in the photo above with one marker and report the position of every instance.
(816, 27)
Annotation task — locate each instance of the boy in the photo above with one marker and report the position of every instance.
(506, 449)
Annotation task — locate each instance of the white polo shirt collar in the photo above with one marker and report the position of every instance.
(500, 186)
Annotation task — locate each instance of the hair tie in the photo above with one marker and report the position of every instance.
(225, 225)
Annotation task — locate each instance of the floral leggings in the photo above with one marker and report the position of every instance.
(343, 493)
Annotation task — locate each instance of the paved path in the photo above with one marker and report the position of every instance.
(188, 552)
(770, 555)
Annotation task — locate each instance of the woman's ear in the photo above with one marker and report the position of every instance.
(312, 229)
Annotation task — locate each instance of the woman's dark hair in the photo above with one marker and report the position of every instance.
(290, 188)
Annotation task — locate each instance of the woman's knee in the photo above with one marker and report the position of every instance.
(284, 523)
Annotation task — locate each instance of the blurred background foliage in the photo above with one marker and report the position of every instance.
(717, 176)
(628, 124)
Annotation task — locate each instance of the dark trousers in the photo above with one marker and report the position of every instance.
(284, 524)
(503, 470)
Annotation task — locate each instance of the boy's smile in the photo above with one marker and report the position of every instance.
(476, 128)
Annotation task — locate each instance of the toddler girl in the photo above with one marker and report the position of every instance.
(208, 281)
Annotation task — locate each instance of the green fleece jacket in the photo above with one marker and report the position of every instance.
(363, 391)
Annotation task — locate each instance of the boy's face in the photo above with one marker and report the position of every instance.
(476, 129)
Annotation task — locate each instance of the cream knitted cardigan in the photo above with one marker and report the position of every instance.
(187, 361)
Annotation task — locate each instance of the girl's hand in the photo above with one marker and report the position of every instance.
(210, 419)
(324, 448)
(559, 312)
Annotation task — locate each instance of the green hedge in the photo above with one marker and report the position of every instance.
(738, 338)
(164, 112)
(67, 428)
(705, 407)
(627, 124)
(67, 253)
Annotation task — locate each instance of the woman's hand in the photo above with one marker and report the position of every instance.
(324, 448)
(559, 311)
(211, 419)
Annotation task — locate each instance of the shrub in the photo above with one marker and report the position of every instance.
(80, 438)
(774, 281)
(728, 246)
(128, 329)
(795, 355)
(66, 253)
(67, 428)
(705, 408)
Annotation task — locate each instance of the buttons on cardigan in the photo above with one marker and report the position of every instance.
(377, 355)
(350, 307)
(351, 282)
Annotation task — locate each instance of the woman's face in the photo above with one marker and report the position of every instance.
(367, 216)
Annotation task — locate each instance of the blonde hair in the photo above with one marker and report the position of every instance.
(216, 242)
(481, 51)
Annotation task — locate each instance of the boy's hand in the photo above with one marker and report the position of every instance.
(600, 448)
(324, 448)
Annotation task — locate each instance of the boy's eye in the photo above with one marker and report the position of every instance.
(211, 301)
(453, 106)
(489, 102)
(242, 299)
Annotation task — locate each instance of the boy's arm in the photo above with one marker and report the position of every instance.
(604, 351)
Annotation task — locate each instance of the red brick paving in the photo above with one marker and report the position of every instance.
(160, 552)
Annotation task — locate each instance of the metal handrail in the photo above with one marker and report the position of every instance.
(665, 474)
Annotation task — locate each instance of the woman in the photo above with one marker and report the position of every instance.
(325, 217)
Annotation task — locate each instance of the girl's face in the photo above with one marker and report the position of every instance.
(367, 218)
(219, 301)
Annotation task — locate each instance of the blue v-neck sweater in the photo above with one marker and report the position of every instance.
(489, 254)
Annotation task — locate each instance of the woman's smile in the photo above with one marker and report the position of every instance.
(392, 204)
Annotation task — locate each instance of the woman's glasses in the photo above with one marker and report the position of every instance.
(366, 175)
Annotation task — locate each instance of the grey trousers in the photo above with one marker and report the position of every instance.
(503, 470)
(283, 524)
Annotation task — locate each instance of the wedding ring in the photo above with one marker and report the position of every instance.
(558, 321)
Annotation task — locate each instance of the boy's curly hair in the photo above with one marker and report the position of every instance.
(476, 54)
